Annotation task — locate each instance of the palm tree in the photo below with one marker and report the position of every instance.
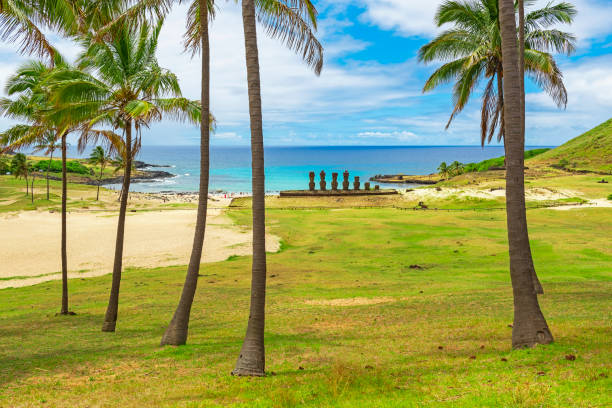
(521, 12)
(472, 50)
(455, 168)
(48, 143)
(130, 92)
(99, 157)
(33, 104)
(196, 39)
(21, 168)
(530, 327)
(292, 21)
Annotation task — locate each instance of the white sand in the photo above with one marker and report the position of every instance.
(532, 194)
(599, 203)
(30, 242)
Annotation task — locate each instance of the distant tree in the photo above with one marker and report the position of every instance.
(99, 157)
(5, 164)
(455, 168)
(443, 169)
(20, 167)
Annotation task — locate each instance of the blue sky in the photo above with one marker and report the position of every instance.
(370, 90)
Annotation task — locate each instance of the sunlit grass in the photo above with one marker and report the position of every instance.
(432, 330)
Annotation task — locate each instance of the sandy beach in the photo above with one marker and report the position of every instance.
(30, 242)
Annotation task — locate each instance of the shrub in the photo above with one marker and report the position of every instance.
(5, 164)
(56, 166)
(499, 161)
(610, 197)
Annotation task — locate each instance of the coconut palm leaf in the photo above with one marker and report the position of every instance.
(471, 51)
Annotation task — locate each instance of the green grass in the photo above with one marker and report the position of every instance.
(485, 165)
(590, 151)
(432, 336)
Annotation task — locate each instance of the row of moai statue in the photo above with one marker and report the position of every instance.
(334, 183)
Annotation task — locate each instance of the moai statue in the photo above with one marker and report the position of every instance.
(335, 181)
(345, 183)
(377, 187)
(356, 183)
(322, 183)
(366, 186)
(311, 185)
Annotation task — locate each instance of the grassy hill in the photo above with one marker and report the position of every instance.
(591, 151)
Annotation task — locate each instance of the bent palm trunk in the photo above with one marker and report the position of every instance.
(176, 333)
(64, 310)
(521, 6)
(530, 327)
(110, 319)
(251, 361)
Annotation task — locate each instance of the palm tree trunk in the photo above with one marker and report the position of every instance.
(48, 170)
(64, 250)
(530, 327)
(32, 189)
(110, 319)
(176, 333)
(251, 361)
(27, 184)
(521, 6)
(99, 182)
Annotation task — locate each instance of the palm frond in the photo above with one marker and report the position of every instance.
(283, 19)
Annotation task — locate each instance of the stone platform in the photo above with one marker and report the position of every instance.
(337, 193)
(337, 189)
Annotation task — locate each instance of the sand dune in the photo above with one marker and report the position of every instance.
(30, 242)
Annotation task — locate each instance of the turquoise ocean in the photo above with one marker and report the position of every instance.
(287, 168)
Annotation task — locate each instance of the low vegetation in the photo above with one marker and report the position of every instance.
(499, 162)
(591, 151)
(401, 308)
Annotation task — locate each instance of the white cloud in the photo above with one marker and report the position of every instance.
(407, 17)
(291, 93)
(416, 18)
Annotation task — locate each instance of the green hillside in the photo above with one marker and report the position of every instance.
(590, 151)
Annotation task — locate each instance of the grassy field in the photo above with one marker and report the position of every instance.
(366, 307)
(590, 151)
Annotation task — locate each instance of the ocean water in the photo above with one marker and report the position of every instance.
(287, 168)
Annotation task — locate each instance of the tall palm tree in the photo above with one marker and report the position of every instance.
(294, 23)
(530, 327)
(291, 27)
(521, 12)
(98, 157)
(47, 144)
(196, 39)
(33, 104)
(472, 51)
(130, 92)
